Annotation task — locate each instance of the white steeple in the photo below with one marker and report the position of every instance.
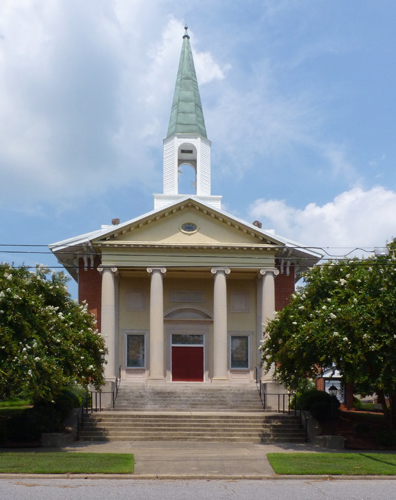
(186, 142)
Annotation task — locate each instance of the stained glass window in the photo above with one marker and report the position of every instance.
(135, 351)
(239, 352)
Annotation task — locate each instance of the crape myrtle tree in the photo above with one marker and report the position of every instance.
(343, 318)
(47, 341)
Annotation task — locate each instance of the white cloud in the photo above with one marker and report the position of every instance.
(355, 218)
(86, 95)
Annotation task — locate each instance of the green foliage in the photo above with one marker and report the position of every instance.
(65, 403)
(357, 403)
(14, 402)
(4, 434)
(45, 416)
(319, 403)
(386, 438)
(47, 341)
(345, 318)
(31, 423)
(363, 428)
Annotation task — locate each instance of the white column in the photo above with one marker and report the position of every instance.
(220, 347)
(157, 339)
(109, 315)
(267, 304)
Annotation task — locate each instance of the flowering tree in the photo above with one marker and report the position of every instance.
(47, 341)
(344, 317)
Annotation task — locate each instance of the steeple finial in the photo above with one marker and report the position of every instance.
(186, 35)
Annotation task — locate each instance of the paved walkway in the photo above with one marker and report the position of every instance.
(170, 458)
(181, 460)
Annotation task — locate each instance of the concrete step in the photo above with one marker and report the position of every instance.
(193, 397)
(256, 427)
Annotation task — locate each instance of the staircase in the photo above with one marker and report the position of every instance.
(196, 426)
(190, 412)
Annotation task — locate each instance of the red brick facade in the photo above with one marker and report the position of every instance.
(284, 287)
(90, 289)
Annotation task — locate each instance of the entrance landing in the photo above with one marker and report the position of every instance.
(189, 397)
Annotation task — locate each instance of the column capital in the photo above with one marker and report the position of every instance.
(264, 271)
(225, 270)
(162, 270)
(112, 269)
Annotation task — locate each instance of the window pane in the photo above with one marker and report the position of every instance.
(239, 352)
(187, 339)
(135, 351)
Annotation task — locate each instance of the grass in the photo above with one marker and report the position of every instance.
(64, 462)
(351, 464)
(14, 402)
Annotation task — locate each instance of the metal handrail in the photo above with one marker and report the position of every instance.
(302, 415)
(92, 401)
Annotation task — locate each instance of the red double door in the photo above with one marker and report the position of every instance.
(187, 363)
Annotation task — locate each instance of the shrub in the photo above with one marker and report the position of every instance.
(319, 403)
(3, 434)
(30, 424)
(386, 437)
(65, 403)
(357, 403)
(77, 400)
(363, 428)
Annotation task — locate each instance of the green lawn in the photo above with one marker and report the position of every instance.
(64, 462)
(358, 464)
(14, 402)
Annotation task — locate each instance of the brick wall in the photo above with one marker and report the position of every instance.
(284, 287)
(90, 289)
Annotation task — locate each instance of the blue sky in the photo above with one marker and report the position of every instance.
(299, 100)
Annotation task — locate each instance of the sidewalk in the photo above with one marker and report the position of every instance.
(171, 458)
(181, 460)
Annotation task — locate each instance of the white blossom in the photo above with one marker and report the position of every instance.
(332, 316)
(346, 339)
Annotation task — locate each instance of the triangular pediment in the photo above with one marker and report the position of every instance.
(187, 223)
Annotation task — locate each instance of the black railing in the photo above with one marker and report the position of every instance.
(92, 401)
(303, 417)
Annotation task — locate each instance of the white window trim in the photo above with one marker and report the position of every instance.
(135, 332)
(249, 335)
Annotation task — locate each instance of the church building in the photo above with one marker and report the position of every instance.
(183, 293)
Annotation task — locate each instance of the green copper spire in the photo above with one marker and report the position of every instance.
(186, 115)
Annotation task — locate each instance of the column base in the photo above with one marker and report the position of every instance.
(221, 380)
